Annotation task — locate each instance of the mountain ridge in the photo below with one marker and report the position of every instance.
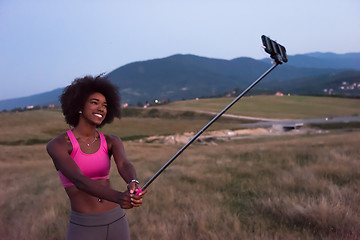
(185, 76)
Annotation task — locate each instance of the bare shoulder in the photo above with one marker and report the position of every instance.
(113, 141)
(116, 149)
(60, 142)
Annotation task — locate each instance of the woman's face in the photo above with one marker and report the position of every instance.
(95, 108)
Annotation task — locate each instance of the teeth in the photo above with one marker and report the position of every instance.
(98, 115)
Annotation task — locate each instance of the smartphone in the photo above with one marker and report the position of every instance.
(276, 51)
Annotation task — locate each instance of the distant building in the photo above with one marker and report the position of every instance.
(125, 105)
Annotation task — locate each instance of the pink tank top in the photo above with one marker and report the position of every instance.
(94, 166)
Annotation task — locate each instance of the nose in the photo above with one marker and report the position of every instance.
(101, 108)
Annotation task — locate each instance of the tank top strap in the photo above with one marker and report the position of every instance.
(103, 142)
(74, 142)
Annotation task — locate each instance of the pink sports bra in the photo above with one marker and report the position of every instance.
(94, 166)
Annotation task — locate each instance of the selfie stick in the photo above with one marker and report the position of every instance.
(277, 52)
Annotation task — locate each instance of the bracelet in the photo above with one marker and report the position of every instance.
(134, 180)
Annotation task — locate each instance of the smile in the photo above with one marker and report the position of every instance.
(98, 115)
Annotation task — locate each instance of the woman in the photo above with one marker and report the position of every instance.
(82, 158)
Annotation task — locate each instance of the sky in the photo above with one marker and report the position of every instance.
(45, 44)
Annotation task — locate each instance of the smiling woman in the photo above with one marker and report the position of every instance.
(95, 109)
(77, 94)
(82, 155)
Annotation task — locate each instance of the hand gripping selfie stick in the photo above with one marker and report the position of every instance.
(277, 52)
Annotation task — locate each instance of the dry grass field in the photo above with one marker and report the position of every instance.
(280, 187)
(292, 107)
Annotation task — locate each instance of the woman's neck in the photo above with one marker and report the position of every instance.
(85, 131)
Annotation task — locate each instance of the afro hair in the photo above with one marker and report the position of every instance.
(75, 95)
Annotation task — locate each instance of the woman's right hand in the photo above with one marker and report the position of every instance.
(129, 200)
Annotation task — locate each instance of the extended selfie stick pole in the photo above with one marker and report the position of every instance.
(278, 55)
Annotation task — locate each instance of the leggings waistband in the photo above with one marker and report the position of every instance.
(97, 219)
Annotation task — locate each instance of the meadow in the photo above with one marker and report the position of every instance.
(287, 107)
(280, 187)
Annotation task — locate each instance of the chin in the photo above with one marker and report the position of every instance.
(99, 124)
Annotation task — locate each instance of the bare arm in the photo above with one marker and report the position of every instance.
(58, 149)
(124, 167)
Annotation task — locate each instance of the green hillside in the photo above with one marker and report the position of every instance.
(180, 77)
(188, 76)
(39, 126)
(287, 107)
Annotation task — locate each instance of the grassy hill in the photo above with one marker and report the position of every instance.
(286, 107)
(280, 187)
(188, 76)
(180, 77)
(39, 126)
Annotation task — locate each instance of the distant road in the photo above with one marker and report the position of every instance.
(244, 117)
(263, 122)
(306, 121)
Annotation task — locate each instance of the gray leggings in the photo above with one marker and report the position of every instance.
(98, 226)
